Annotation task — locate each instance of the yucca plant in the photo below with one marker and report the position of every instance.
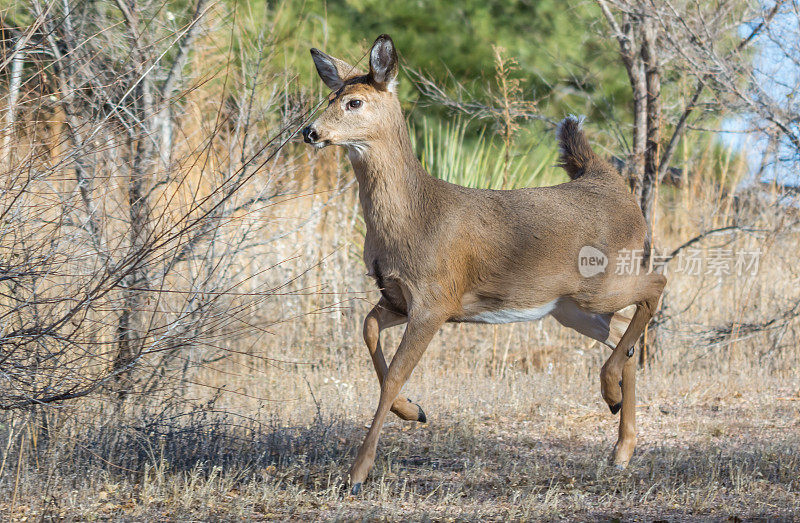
(447, 153)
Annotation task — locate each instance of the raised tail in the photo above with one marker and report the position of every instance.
(576, 153)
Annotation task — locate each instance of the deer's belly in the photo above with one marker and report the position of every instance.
(510, 315)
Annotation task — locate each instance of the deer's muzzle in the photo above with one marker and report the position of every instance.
(310, 135)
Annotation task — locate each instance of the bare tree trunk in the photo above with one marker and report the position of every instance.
(129, 341)
(653, 126)
(64, 76)
(164, 119)
(14, 84)
(626, 35)
(636, 75)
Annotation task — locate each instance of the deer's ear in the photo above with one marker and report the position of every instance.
(383, 64)
(328, 68)
(334, 72)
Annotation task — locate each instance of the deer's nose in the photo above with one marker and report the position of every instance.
(310, 135)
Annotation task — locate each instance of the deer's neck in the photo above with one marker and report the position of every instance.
(391, 184)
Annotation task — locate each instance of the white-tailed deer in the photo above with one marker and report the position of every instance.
(444, 253)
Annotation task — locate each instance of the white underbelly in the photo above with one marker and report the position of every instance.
(513, 315)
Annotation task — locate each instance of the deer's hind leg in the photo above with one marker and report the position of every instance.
(618, 375)
(609, 329)
(626, 438)
(645, 294)
(644, 291)
(379, 318)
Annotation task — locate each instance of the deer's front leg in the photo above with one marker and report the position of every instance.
(421, 328)
(379, 318)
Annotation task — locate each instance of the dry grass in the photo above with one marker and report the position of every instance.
(517, 428)
(530, 446)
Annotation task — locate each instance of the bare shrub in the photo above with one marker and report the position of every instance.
(127, 214)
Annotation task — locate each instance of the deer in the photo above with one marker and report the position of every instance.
(440, 252)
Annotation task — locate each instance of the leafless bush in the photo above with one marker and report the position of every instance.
(125, 221)
(754, 79)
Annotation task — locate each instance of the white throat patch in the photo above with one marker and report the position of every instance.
(355, 150)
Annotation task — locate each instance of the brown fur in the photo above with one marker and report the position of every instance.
(442, 252)
(576, 154)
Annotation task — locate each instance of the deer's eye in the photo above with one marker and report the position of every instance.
(354, 104)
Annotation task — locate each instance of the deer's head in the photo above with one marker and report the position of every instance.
(363, 108)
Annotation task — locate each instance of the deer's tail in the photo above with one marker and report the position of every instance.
(576, 153)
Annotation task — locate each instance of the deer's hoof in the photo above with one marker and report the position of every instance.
(421, 417)
(615, 408)
(356, 489)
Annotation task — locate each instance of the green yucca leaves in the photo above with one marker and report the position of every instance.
(446, 153)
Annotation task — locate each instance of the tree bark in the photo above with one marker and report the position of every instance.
(14, 84)
(652, 124)
(129, 341)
